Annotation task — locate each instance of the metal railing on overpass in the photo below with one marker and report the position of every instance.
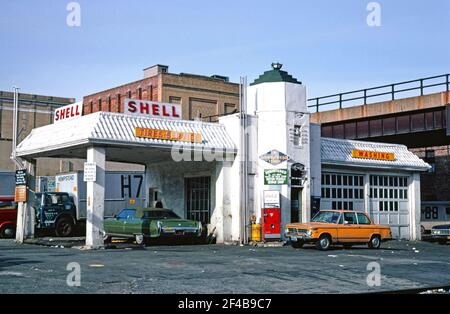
(392, 90)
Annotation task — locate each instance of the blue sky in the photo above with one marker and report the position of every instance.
(326, 44)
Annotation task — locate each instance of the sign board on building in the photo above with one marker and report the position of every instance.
(90, 172)
(373, 155)
(271, 199)
(274, 157)
(152, 109)
(68, 112)
(168, 135)
(275, 176)
(21, 177)
(20, 194)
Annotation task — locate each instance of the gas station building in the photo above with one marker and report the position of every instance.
(267, 162)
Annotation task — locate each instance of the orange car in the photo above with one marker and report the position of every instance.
(344, 227)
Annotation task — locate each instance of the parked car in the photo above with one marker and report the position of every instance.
(144, 224)
(8, 217)
(441, 234)
(338, 227)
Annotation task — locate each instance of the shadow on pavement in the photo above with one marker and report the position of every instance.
(6, 262)
(353, 248)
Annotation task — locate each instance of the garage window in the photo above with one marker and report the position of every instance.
(388, 191)
(343, 191)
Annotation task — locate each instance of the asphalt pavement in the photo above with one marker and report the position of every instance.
(127, 268)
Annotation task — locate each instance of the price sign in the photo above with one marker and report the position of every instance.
(90, 172)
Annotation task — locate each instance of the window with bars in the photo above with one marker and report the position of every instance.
(342, 190)
(198, 199)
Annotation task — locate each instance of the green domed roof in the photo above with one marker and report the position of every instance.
(275, 75)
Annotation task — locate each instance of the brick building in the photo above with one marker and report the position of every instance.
(436, 182)
(201, 97)
(34, 111)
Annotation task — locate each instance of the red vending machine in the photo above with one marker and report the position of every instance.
(272, 223)
(271, 216)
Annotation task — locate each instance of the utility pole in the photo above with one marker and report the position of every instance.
(19, 164)
(244, 161)
(21, 208)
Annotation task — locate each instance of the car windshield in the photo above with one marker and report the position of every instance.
(160, 214)
(328, 217)
(54, 199)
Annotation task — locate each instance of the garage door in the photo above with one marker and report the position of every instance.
(389, 204)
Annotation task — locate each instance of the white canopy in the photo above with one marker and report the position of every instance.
(116, 132)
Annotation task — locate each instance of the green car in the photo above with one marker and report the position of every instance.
(144, 224)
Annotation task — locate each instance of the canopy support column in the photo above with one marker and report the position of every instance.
(95, 199)
(25, 210)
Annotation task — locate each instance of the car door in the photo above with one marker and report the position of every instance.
(365, 227)
(134, 223)
(116, 225)
(129, 223)
(346, 229)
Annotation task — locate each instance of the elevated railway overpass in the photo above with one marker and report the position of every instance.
(415, 113)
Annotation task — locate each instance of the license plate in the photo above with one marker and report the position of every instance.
(294, 238)
(179, 233)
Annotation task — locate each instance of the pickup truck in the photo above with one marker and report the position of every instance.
(8, 217)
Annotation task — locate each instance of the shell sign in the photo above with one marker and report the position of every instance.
(364, 154)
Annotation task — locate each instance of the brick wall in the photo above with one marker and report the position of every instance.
(112, 99)
(195, 94)
(435, 186)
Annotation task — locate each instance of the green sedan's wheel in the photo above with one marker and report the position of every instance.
(106, 238)
(139, 238)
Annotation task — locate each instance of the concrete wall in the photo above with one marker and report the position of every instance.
(281, 107)
(229, 181)
(169, 179)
